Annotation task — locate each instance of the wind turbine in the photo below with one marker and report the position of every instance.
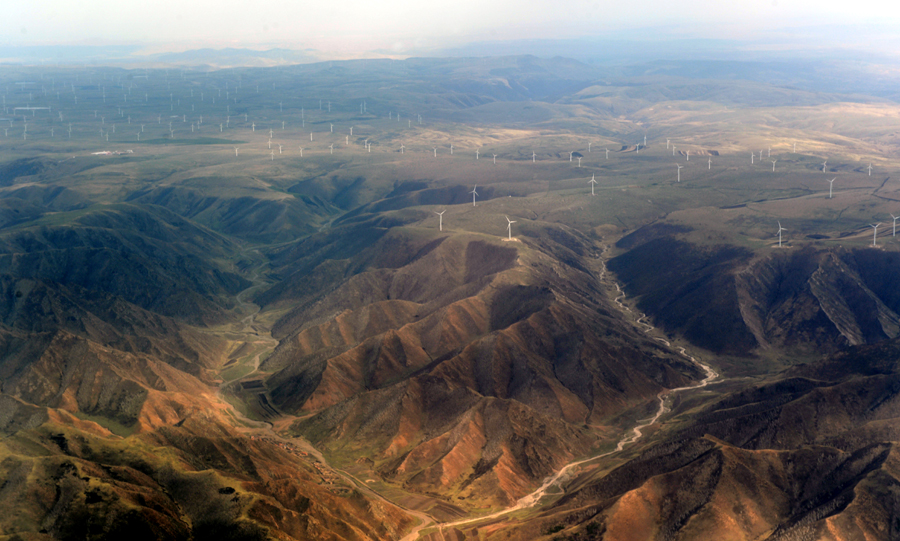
(773, 165)
(579, 162)
(435, 151)
(533, 156)
(823, 165)
(509, 226)
(780, 229)
(476, 153)
(875, 233)
(440, 218)
(870, 169)
(592, 183)
(895, 224)
(688, 154)
(752, 155)
(710, 163)
(679, 171)
(673, 150)
(451, 150)
(607, 154)
(495, 159)
(667, 143)
(830, 186)
(401, 148)
(570, 155)
(474, 193)
(273, 155)
(331, 146)
(301, 152)
(589, 147)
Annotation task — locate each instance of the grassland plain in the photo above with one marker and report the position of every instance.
(204, 274)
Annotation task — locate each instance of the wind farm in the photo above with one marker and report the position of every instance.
(276, 327)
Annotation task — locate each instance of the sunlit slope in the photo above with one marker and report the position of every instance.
(456, 361)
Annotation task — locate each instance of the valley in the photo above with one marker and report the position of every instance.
(499, 298)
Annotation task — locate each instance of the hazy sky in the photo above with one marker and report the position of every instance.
(402, 25)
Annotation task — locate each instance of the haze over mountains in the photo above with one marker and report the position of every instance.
(229, 310)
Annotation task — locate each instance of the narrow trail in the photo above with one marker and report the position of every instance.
(567, 472)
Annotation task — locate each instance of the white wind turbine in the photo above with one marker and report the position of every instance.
(474, 193)
(679, 171)
(301, 152)
(476, 153)
(773, 165)
(895, 224)
(825, 163)
(780, 229)
(870, 169)
(440, 218)
(592, 183)
(752, 155)
(831, 186)
(710, 163)
(688, 155)
(235, 151)
(533, 156)
(607, 154)
(401, 148)
(451, 150)
(570, 155)
(435, 151)
(495, 159)
(874, 233)
(667, 143)
(331, 146)
(579, 162)
(509, 226)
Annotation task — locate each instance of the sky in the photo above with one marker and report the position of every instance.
(404, 25)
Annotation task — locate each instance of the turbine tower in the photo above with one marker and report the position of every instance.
(780, 229)
(874, 233)
(592, 183)
(870, 169)
(509, 226)
(679, 171)
(710, 163)
(831, 186)
(895, 224)
(474, 193)
(440, 218)
(773, 165)
(533, 156)
(823, 165)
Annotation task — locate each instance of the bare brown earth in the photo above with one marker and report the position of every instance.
(461, 365)
(807, 456)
